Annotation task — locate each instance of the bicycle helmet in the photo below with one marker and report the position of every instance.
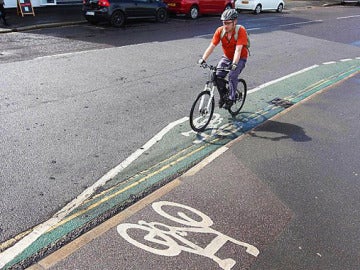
(229, 15)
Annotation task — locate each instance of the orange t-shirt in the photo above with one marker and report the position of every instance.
(228, 46)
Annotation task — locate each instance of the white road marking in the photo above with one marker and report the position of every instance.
(329, 63)
(10, 253)
(178, 239)
(300, 23)
(281, 79)
(259, 28)
(194, 170)
(252, 29)
(62, 55)
(348, 17)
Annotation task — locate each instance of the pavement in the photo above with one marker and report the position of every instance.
(45, 17)
(55, 16)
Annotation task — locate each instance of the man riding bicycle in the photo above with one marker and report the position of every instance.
(235, 53)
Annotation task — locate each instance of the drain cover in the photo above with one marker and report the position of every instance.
(281, 102)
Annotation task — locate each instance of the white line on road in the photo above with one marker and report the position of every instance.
(300, 23)
(348, 17)
(329, 63)
(281, 79)
(11, 253)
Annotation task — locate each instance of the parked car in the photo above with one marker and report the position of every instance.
(193, 8)
(259, 5)
(116, 12)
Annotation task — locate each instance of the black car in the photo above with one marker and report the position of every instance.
(118, 11)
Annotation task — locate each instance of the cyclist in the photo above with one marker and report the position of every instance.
(235, 53)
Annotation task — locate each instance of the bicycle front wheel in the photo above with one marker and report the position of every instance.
(202, 111)
(240, 96)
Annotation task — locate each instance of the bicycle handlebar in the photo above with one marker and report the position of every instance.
(214, 68)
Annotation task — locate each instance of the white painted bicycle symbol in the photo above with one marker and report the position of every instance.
(224, 130)
(164, 239)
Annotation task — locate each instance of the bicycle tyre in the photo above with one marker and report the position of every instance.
(199, 119)
(240, 98)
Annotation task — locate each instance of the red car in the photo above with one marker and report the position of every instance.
(193, 8)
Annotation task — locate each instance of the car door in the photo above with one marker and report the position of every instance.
(269, 4)
(145, 8)
(205, 6)
(129, 7)
(218, 6)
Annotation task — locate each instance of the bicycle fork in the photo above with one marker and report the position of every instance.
(208, 87)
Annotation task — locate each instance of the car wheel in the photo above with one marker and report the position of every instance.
(280, 8)
(161, 15)
(194, 12)
(257, 9)
(117, 19)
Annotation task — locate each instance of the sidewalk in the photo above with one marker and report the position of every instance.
(45, 17)
(54, 16)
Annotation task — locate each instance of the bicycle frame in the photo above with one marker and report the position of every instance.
(211, 83)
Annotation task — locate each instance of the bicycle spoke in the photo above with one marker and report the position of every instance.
(201, 111)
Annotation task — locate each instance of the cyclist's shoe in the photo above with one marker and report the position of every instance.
(228, 104)
(221, 103)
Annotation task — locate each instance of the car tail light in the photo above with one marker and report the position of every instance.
(104, 3)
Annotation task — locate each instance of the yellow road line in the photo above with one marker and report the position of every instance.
(126, 188)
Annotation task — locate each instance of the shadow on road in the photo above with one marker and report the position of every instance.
(276, 131)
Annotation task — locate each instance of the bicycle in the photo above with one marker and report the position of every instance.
(203, 107)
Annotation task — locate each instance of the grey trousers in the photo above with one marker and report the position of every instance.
(233, 74)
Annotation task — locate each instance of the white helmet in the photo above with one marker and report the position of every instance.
(229, 15)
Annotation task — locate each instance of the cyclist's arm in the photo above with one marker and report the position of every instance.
(237, 54)
(208, 51)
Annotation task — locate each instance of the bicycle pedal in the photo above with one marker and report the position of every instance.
(228, 105)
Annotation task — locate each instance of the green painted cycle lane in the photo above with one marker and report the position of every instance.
(180, 149)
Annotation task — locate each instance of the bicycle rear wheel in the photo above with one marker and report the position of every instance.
(202, 111)
(240, 98)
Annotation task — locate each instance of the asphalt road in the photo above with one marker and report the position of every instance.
(68, 119)
(288, 190)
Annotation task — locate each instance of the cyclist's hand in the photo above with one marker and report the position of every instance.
(201, 62)
(233, 66)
